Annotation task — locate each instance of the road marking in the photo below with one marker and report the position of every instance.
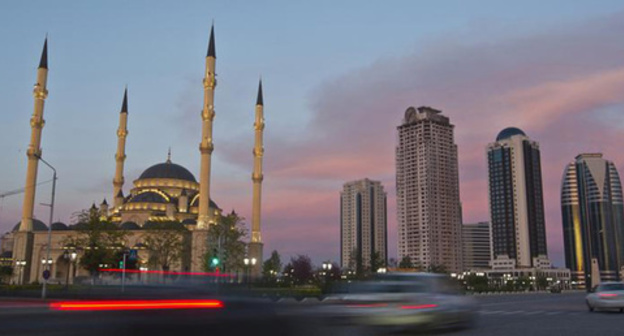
(535, 312)
(513, 312)
(490, 312)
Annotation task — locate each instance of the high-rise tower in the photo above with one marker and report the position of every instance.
(516, 198)
(363, 225)
(205, 217)
(592, 210)
(428, 207)
(40, 93)
(255, 246)
(120, 156)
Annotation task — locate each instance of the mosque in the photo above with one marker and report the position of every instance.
(163, 192)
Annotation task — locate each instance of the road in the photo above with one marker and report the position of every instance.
(509, 315)
(543, 314)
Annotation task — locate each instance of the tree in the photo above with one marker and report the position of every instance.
(355, 262)
(392, 262)
(299, 270)
(227, 237)
(165, 242)
(272, 267)
(436, 268)
(541, 282)
(98, 238)
(406, 262)
(5, 273)
(376, 262)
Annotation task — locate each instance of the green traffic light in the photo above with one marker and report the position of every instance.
(215, 261)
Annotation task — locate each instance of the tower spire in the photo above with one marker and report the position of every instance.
(124, 104)
(255, 246)
(211, 45)
(40, 93)
(259, 100)
(120, 156)
(169, 155)
(43, 62)
(205, 215)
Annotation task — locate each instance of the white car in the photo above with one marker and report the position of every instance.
(607, 295)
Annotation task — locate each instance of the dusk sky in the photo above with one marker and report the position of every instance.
(337, 78)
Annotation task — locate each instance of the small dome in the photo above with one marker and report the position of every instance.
(508, 133)
(130, 226)
(168, 170)
(58, 226)
(213, 205)
(148, 197)
(37, 226)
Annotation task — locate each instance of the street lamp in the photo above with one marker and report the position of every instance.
(21, 264)
(51, 205)
(70, 257)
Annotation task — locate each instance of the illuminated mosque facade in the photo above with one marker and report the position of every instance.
(163, 192)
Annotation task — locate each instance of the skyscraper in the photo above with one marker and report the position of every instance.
(363, 224)
(476, 245)
(592, 213)
(516, 198)
(428, 207)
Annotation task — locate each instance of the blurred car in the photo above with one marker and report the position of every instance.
(555, 289)
(607, 295)
(401, 301)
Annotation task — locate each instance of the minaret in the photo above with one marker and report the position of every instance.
(255, 246)
(120, 156)
(40, 93)
(257, 176)
(205, 217)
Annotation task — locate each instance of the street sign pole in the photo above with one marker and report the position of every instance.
(123, 274)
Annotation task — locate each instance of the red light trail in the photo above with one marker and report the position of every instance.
(134, 305)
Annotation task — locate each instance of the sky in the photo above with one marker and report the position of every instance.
(337, 79)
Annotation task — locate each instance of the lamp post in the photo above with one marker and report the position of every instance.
(70, 256)
(51, 205)
(21, 264)
(249, 262)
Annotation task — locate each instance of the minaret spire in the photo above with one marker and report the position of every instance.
(43, 62)
(256, 246)
(120, 156)
(169, 155)
(124, 104)
(40, 93)
(259, 99)
(205, 215)
(212, 52)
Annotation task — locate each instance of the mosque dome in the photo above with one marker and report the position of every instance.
(58, 226)
(37, 226)
(168, 170)
(508, 133)
(213, 205)
(148, 197)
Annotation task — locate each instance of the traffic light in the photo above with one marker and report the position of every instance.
(215, 261)
(121, 264)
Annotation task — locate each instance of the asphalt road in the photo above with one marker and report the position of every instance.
(543, 314)
(508, 315)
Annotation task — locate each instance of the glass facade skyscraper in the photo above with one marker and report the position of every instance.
(516, 198)
(592, 213)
